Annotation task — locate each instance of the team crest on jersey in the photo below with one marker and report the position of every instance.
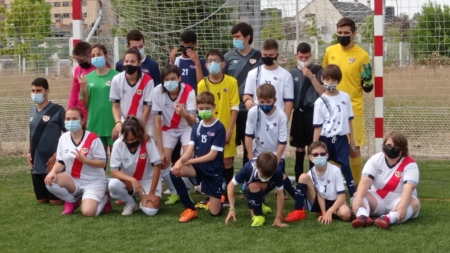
(108, 83)
(143, 156)
(275, 78)
(343, 102)
(84, 151)
(274, 124)
(225, 90)
(234, 62)
(139, 92)
(31, 119)
(398, 173)
(351, 60)
(145, 71)
(210, 134)
(252, 61)
(296, 79)
(45, 118)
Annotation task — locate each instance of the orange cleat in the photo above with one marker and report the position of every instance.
(188, 215)
(295, 215)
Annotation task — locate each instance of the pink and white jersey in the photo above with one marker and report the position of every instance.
(93, 149)
(122, 159)
(163, 105)
(377, 169)
(121, 92)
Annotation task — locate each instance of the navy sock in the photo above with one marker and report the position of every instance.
(228, 175)
(346, 170)
(288, 186)
(245, 158)
(299, 164)
(254, 201)
(180, 186)
(300, 193)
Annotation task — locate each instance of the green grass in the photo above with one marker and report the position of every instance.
(30, 227)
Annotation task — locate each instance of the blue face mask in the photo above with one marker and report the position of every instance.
(142, 51)
(214, 68)
(171, 85)
(320, 161)
(99, 62)
(72, 125)
(267, 108)
(238, 44)
(38, 98)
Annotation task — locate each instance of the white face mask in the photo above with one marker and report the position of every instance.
(304, 64)
(264, 180)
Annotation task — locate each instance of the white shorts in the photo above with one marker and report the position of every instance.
(171, 137)
(90, 190)
(385, 206)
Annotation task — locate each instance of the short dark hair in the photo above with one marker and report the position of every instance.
(215, 52)
(40, 82)
(303, 48)
(169, 68)
(135, 35)
(136, 127)
(189, 37)
(270, 44)
(332, 71)
(82, 48)
(400, 141)
(206, 97)
(317, 144)
(245, 29)
(266, 91)
(346, 22)
(101, 47)
(267, 163)
(135, 52)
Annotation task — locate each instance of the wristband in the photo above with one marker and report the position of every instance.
(233, 209)
(118, 122)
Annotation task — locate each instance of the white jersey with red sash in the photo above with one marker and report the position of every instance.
(138, 164)
(164, 105)
(91, 146)
(388, 182)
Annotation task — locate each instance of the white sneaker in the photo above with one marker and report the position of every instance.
(129, 208)
(167, 192)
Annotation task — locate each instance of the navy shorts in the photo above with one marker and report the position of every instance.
(314, 207)
(338, 149)
(211, 185)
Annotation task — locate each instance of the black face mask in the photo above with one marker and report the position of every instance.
(130, 69)
(184, 49)
(85, 65)
(132, 144)
(391, 152)
(344, 40)
(268, 60)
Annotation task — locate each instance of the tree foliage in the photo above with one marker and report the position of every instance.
(395, 31)
(310, 30)
(273, 28)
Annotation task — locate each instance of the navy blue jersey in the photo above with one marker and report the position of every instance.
(188, 73)
(249, 174)
(148, 66)
(207, 138)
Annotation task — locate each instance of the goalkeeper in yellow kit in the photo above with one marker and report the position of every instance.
(354, 63)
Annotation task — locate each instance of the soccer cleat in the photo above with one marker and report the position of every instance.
(174, 198)
(295, 215)
(108, 207)
(266, 209)
(362, 221)
(167, 192)
(225, 201)
(119, 202)
(258, 221)
(188, 215)
(205, 201)
(383, 222)
(202, 206)
(70, 207)
(129, 208)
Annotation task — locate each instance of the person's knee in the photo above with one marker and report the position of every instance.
(301, 149)
(114, 184)
(415, 204)
(42, 201)
(56, 202)
(304, 178)
(88, 211)
(228, 162)
(344, 213)
(149, 211)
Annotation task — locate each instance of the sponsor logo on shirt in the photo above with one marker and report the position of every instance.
(31, 119)
(252, 61)
(296, 79)
(91, 84)
(210, 134)
(45, 118)
(351, 60)
(192, 66)
(234, 61)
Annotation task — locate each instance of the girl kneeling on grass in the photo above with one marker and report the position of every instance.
(136, 167)
(82, 155)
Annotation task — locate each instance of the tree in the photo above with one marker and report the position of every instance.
(273, 28)
(310, 29)
(431, 33)
(394, 31)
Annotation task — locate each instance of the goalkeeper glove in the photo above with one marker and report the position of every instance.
(366, 74)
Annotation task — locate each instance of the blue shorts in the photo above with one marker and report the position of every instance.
(338, 149)
(314, 207)
(211, 185)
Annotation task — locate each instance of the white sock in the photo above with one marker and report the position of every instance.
(364, 210)
(393, 216)
(101, 204)
(118, 190)
(61, 193)
(165, 175)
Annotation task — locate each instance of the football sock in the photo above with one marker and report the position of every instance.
(254, 201)
(165, 175)
(102, 204)
(288, 186)
(345, 168)
(393, 216)
(364, 210)
(118, 190)
(299, 164)
(61, 193)
(182, 191)
(356, 167)
(228, 175)
(245, 158)
(300, 193)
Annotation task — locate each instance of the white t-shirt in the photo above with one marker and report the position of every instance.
(334, 116)
(271, 132)
(162, 105)
(122, 159)
(123, 93)
(377, 169)
(280, 78)
(330, 184)
(96, 151)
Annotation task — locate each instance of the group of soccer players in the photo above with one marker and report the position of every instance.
(143, 116)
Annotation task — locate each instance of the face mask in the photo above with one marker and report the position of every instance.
(184, 49)
(267, 108)
(132, 144)
(205, 114)
(344, 40)
(329, 87)
(391, 152)
(99, 62)
(171, 85)
(268, 60)
(38, 98)
(130, 69)
(238, 44)
(72, 125)
(85, 65)
(214, 68)
(264, 180)
(142, 51)
(304, 64)
(320, 161)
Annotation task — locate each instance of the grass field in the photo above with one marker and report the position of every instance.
(30, 227)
